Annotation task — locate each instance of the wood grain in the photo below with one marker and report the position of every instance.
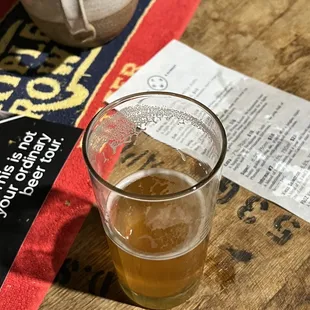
(259, 255)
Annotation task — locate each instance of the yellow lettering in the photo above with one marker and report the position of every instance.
(107, 95)
(63, 69)
(117, 83)
(43, 95)
(130, 69)
(26, 107)
(5, 40)
(30, 31)
(62, 54)
(45, 70)
(78, 93)
(13, 63)
(11, 80)
(29, 52)
(60, 61)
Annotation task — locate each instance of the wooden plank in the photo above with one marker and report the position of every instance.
(295, 294)
(72, 300)
(257, 259)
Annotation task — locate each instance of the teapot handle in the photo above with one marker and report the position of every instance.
(76, 20)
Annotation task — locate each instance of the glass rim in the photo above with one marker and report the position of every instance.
(198, 185)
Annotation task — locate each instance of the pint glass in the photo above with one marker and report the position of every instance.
(155, 162)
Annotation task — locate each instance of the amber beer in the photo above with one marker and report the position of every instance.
(158, 248)
(157, 220)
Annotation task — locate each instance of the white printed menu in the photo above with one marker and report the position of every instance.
(268, 130)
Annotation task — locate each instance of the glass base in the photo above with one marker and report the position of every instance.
(160, 302)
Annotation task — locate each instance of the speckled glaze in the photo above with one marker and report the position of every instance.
(81, 23)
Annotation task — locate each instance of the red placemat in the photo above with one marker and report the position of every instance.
(60, 218)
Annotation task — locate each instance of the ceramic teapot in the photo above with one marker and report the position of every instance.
(81, 23)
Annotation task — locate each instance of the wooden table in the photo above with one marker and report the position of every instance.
(259, 256)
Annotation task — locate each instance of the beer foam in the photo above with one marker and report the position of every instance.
(162, 219)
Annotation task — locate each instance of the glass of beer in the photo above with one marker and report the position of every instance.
(155, 161)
